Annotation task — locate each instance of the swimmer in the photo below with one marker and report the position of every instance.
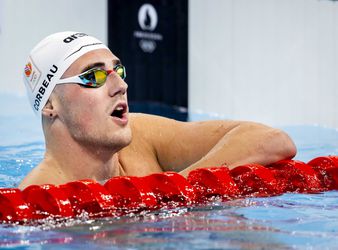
(77, 86)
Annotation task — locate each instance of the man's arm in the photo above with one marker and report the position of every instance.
(247, 143)
(184, 146)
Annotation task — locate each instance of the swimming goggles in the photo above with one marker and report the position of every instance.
(96, 77)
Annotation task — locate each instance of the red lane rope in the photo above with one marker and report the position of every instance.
(123, 195)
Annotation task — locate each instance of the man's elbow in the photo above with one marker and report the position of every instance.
(284, 145)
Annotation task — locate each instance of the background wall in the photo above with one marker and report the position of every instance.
(24, 23)
(273, 61)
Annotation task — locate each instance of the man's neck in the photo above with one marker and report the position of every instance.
(75, 161)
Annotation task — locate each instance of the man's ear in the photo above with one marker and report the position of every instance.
(48, 110)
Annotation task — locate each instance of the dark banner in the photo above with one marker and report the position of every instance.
(151, 39)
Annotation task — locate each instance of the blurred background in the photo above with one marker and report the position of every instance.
(271, 61)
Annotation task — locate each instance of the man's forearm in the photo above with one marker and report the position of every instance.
(247, 143)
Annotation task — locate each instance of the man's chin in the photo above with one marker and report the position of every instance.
(120, 140)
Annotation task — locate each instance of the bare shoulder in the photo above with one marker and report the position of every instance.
(40, 175)
(152, 128)
(138, 120)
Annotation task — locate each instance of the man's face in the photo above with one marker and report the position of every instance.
(95, 117)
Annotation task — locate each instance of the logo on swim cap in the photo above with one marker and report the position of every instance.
(28, 69)
(32, 74)
(73, 37)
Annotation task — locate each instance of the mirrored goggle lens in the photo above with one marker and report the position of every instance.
(94, 78)
(97, 77)
(120, 70)
(100, 76)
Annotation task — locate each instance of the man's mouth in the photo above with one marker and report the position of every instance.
(119, 111)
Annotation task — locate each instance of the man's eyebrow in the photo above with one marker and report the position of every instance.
(116, 61)
(93, 65)
(99, 64)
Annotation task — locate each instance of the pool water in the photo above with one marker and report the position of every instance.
(290, 221)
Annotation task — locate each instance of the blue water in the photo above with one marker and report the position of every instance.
(290, 221)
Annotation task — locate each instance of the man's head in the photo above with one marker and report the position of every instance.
(49, 59)
(76, 84)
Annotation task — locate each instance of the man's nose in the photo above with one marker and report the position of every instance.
(116, 85)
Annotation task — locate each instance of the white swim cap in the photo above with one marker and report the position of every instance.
(50, 59)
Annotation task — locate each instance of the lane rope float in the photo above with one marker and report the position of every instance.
(123, 195)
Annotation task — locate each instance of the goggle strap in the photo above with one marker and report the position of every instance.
(75, 79)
